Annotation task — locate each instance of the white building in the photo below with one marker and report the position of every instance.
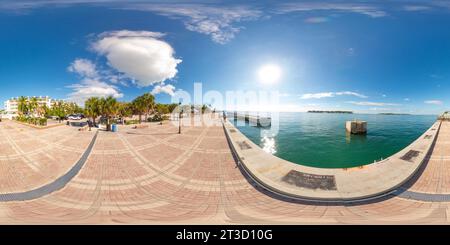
(11, 105)
(445, 116)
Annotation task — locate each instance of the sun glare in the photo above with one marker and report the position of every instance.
(269, 74)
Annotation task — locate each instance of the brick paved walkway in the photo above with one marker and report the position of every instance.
(154, 175)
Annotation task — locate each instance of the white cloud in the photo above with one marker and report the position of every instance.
(317, 95)
(331, 94)
(92, 88)
(369, 103)
(84, 68)
(316, 20)
(168, 89)
(414, 8)
(434, 102)
(215, 21)
(91, 84)
(365, 9)
(140, 55)
(351, 93)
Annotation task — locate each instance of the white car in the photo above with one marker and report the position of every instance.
(74, 117)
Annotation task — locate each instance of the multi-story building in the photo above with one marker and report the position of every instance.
(11, 105)
(445, 116)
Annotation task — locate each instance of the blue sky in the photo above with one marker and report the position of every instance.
(335, 55)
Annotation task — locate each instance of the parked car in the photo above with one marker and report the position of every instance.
(74, 117)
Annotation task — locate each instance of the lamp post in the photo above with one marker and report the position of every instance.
(179, 118)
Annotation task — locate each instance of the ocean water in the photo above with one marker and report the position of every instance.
(320, 139)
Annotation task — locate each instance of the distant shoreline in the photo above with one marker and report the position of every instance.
(401, 114)
(340, 112)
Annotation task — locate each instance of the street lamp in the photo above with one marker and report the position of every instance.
(179, 118)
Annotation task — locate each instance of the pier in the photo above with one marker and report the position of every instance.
(254, 120)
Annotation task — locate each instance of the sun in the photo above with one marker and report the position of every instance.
(269, 74)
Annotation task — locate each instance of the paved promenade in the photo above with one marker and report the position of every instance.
(154, 175)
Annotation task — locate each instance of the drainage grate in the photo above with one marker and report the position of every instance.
(410, 155)
(310, 181)
(427, 136)
(244, 145)
(232, 131)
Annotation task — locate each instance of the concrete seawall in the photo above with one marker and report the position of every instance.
(330, 185)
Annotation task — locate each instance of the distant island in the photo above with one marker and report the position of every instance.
(344, 112)
(393, 114)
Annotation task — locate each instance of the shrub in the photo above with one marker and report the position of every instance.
(32, 120)
(158, 118)
(43, 121)
(129, 122)
(155, 118)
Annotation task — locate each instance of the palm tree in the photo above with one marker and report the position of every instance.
(33, 105)
(91, 108)
(172, 107)
(204, 108)
(108, 108)
(59, 110)
(45, 111)
(149, 103)
(73, 108)
(22, 106)
(124, 110)
(162, 109)
(41, 110)
(138, 106)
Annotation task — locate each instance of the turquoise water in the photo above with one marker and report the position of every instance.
(320, 139)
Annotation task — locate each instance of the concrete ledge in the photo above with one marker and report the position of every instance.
(329, 185)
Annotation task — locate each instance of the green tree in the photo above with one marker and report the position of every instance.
(45, 111)
(124, 110)
(73, 108)
(138, 106)
(91, 108)
(59, 110)
(108, 109)
(172, 107)
(204, 108)
(33, 105)
(22, 106)
(162, 109)
(144, 105)
(149, 103)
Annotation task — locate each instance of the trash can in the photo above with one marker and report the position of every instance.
(114, 127)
